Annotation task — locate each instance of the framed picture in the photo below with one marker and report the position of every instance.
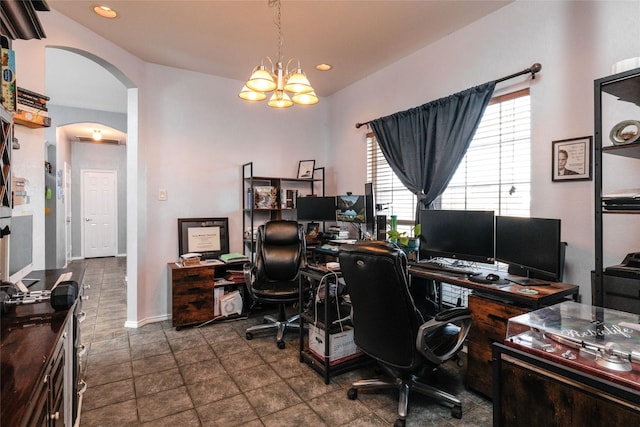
(206, 236)
(305, 169)
(571, 159)
(313, 229)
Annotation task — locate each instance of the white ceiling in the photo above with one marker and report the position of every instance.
(229, 38)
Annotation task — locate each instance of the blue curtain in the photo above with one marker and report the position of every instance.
(424, 145)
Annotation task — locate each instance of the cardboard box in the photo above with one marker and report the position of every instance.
(342, 347)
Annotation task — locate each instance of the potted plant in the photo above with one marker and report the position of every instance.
(400, 237)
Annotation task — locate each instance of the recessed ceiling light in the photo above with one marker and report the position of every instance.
(324, 67)
(105, 11)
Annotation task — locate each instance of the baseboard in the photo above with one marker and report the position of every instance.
(138, 324)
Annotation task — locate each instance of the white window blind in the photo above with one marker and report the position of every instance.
(389, 191)
(495, 173)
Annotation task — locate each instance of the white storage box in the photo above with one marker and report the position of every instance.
(342, 347)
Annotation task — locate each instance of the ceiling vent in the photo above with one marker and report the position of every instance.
(102, 141)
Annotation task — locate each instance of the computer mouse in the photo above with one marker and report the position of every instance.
(493, 277)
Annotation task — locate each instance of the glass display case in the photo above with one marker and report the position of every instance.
(595, 340)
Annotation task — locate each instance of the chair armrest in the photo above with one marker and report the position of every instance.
(456, 317)
(249, 272)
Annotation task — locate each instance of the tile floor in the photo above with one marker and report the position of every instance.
(212, 376)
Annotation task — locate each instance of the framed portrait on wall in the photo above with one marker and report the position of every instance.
(571, 159)
(305, 169)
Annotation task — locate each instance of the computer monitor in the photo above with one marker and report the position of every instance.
(316, 208)
(351, 208)
(457, 234)
(531, 244)
(206, 236)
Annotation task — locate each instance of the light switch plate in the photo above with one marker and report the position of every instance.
(162, 195)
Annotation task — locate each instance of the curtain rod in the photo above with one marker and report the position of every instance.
(535, 68)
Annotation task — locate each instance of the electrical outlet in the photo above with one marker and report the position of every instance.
(162, 195)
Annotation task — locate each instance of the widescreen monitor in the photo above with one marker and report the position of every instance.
(316, 208)
(531, 244)
(351, 208)
(457, 234)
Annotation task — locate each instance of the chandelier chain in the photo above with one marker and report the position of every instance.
(278, 23)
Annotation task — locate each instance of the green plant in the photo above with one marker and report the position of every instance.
(401, 236)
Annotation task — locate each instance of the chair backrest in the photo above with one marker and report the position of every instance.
(280, 251)
(385, 318)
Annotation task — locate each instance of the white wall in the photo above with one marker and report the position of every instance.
(576, 42)
(189, 133)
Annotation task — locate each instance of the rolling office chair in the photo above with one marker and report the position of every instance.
(388, 326)
(273, 277)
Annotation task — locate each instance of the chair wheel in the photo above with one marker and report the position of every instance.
(456, 412)
(280, 345)
(352, 393)
(399, 423)
(249, 335)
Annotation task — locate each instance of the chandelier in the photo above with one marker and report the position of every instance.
(288, 87)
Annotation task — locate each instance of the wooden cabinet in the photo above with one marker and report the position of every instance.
(193, 297)
(192, 294)
(616, 96)
(271, 198)
(40, 360)
(532, 391)
(488, 325)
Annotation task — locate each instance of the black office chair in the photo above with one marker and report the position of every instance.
(388, 326)
(273, 277)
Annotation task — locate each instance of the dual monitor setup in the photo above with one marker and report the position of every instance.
(531, 247)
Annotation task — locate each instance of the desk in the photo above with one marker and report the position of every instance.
(491, 307)
(40, 359)
(192, 295)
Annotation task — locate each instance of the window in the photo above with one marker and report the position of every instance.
(495, 173)
(390, 193)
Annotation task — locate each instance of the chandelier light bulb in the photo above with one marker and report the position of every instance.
(279, 80)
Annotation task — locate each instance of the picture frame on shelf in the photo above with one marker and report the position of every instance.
(571, 159)
(305, 169)
(265, 197)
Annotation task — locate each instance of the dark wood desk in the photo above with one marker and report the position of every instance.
(39, 382)
(491, 307)
(547, 295)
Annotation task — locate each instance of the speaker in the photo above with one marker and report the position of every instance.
(381, 227)
(64, 295)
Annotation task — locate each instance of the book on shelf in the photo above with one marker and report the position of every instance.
(233, 258)
(34, 110)
(25, 93)
(8, 68)
(27, 103)
(235, 276)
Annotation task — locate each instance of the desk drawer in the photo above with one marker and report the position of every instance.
(488, 325)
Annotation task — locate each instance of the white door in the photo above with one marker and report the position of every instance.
(99, 213)
(67, 212)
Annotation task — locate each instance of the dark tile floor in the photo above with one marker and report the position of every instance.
(212, 376)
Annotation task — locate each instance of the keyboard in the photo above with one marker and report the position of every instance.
(440, 266)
